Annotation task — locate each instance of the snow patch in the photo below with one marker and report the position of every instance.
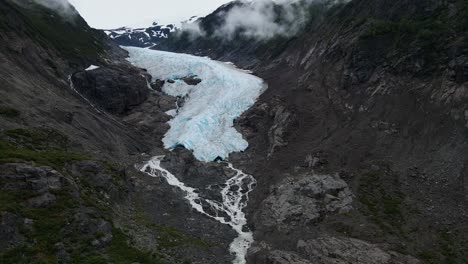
(92, 68)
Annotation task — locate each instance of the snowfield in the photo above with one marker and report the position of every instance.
(205, 122)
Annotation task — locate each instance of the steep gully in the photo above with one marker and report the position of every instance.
(204, 124)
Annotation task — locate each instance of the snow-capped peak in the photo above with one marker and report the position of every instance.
(141, 36)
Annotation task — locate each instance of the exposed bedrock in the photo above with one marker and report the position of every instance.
(115, 88)
(329, 250)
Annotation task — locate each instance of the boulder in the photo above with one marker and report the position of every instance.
(300, 202)
(116, 89)
(157, 85)
(191, 80)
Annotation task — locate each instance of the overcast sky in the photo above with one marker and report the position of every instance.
(108, 14)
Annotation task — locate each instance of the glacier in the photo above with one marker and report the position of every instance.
(204, 124)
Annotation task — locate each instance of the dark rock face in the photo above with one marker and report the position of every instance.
(191, 80)
(329, 250)
(116, 89)
(358, 145)
(157, 85)
(381, 108)
(10, 236)
(340, 250)
(94, 207)
(301, 201)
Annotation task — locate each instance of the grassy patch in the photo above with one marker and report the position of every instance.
(10, 201)
(47, 224)
(384, 205)
(42, 146)
(425, 29)
(447, 252)
(170, 237)
(69, 35)
(120, 252)
(38, 139)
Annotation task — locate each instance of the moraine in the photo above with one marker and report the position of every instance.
(204, 124)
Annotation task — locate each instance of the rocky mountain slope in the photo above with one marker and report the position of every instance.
(213, 35)
(69, 141)
(359, 144)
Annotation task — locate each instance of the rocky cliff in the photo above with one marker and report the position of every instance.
(70, 135)
(359, 144)
(374, 95)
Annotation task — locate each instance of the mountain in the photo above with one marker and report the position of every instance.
(141, 37)
(366, 106)
(355, 152)
(75, 118)
(227, 37)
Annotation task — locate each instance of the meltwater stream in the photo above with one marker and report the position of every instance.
(204, 124)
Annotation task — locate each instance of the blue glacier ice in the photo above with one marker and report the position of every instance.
(205, 122)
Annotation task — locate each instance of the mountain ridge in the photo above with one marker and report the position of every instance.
(358, 145)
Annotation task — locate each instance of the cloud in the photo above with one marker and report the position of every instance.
(193, 29)
(63, 7)
(265, 19)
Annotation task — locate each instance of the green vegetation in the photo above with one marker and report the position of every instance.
(426, 28)
(57, 223)
(47, 231)
(69, 35)
(384, 205)
(448, 250)
(121, 253)
(170, 237)
(42, 146)
(9, 112)
(47, 223)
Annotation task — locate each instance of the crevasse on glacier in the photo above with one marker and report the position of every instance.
(205, 123)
